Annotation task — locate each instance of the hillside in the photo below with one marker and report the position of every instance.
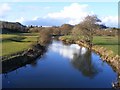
(12, 27)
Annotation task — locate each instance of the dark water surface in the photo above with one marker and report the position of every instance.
(62, 66)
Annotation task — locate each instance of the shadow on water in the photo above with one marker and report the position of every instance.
(81, 58)
(28, 57)
(83, 62)
(17, 62)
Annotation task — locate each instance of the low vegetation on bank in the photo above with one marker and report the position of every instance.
(109, 42)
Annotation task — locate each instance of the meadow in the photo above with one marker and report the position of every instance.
(12, 43)
(109, 42)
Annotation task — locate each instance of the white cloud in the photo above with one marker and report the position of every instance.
(111, 21)
(75, 10)
(68, 51)
(35, 18)
(21, 20)
(75, 13)
(4, 8)
(72, 14)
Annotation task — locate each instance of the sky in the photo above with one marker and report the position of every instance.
(58, 13)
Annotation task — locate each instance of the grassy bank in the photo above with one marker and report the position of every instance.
(12, 43)
(109, 42)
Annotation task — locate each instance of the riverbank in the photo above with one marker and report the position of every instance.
(109, 56)
(23, 58)
(66, 64)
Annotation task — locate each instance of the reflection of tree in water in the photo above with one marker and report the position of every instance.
(83, 62)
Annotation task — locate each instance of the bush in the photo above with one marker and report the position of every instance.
(44, 37)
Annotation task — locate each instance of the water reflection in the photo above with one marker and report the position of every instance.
(62, 66)
(83, 62)
(67, 51)
(80, 57)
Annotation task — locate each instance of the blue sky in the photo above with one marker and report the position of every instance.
(58, 13)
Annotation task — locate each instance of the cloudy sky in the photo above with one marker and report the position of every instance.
(58, 13)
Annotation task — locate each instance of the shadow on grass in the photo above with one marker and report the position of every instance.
(107, 43)
(15, 39)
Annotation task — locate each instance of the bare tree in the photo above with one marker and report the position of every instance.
(44, 37)
(66, 29)
(87, 28)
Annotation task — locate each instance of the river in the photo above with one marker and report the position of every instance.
(62, 66)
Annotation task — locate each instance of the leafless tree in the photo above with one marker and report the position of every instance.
(87, 28)
(44, 37)
(66, 29)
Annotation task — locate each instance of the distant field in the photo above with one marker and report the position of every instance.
(12, 43)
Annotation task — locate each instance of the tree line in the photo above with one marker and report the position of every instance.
(89, 27)
(65, 29)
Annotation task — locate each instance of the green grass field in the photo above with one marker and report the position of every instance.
(12, 43)
(109, 42)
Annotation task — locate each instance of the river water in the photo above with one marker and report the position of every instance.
(62, 66)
